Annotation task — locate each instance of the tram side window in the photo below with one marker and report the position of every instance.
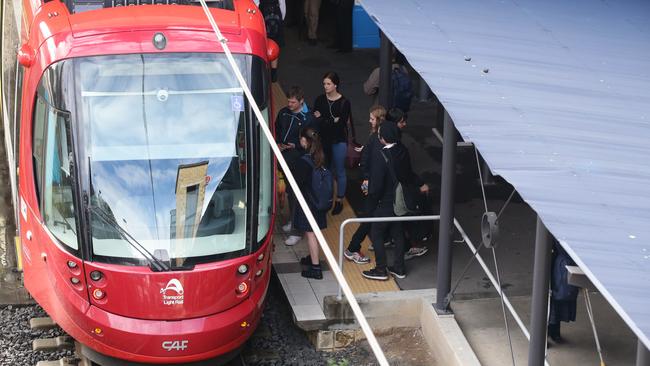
(265, 184)
(40, 119)
(59, 211)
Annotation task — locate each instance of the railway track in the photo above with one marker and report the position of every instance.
(65, 342)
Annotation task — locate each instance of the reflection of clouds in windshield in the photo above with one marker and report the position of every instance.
(144, 213)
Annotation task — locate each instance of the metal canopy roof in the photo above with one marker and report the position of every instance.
(556, 96)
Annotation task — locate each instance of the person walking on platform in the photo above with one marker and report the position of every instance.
(413, 230)
(385, 165)
(343, 40)
(290, 120)
(353, 252)
(304, 169)
(564, 297)
(334, 112)
(312, 11)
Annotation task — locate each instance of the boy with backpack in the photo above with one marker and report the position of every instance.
(317, 186)
(390, 167)
(401, 86)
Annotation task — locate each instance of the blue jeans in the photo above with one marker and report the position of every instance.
(339, 151)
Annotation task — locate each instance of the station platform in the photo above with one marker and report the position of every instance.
(476, 305)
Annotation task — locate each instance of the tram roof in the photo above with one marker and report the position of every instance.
(556, 97)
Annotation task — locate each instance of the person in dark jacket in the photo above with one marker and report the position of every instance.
(388, 165)
(290, 120)
(353, 252)
(413, 230)
(564, 296)
(334, 112)
(310, 142)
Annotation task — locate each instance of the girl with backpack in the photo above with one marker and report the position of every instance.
(309, 167)
(334, 112)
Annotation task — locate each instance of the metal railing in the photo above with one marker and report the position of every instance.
(371, 220)
(466, 239)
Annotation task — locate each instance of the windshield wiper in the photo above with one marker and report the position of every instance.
(155, 264)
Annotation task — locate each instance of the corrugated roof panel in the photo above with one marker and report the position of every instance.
(563, 113)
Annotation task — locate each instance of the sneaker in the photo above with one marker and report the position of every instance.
(356, 257)
(315, 273)
(338, 207)
(287, 228)
(376, 274)
(292, 240)
(395, 273)
(415, 252)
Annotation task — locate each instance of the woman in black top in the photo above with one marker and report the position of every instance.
(310, 141)
(353, 252)
(333, 109)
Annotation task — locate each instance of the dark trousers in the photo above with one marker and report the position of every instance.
(378, 232)
(344, 25)
(362, 231)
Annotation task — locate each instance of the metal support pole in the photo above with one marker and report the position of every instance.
(423, 90)
(446, 231)
(539, 305)
(642, 354)
(385, 67)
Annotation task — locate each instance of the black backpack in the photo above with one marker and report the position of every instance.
(322, 186)
(402, 88)
(272, 18)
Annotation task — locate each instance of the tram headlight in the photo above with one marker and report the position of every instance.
(96, 275)
(242, 269)
(260, 257)
(74, 280)
(72, 264)
(259, 272)
(99, 294)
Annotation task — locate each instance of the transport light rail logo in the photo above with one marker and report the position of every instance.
(173, 285)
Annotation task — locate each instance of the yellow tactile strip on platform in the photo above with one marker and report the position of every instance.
(351, 270)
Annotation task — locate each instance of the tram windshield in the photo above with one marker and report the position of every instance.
(170, 158)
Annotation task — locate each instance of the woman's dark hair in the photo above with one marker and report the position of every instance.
(315, 149)
(333, 77)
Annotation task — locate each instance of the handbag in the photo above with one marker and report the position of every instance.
(352, 156)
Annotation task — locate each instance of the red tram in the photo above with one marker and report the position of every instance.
(146, 198)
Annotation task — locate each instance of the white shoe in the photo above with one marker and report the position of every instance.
(292, 240)
(287, 228)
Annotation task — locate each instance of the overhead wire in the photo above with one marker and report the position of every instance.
(372, 340)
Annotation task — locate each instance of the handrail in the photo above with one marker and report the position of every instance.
(465, 238)
(375, 219)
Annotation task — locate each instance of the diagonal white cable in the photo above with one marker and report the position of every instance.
(379, 354)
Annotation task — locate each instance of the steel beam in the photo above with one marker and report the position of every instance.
(539, 304)
(385, 67)
(446, 232)
(642, 354)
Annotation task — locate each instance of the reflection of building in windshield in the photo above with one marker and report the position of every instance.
(190, 194)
